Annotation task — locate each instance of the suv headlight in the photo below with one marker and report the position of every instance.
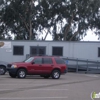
(14, 66)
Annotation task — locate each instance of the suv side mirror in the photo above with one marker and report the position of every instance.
(33, 62)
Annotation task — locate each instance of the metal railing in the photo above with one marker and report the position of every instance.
(81, 65)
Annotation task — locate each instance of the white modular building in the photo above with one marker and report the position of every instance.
(18, 50)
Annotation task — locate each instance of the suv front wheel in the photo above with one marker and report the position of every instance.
(21, 73)
(55, 74)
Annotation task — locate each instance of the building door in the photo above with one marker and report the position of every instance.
(37, 50)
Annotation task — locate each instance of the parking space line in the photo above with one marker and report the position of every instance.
(38, 89)
(25, 84)
(90, 75)
(32, 98)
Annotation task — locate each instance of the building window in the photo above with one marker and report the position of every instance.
(57, 51)
(37, 50)
(99, 52)
(18, 50)
(33, 50)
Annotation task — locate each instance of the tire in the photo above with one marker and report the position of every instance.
(55, 74)
(21, 73)
(2, 70)
(12, 75)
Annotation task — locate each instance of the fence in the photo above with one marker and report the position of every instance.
(81, 65)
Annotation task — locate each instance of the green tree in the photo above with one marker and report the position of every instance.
(18, 18)
(70, 19)
(64, 19)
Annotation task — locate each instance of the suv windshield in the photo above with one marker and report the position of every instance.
(29, 60)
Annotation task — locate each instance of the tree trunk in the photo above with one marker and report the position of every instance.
(73, 35)
(30, 34)
(47, 34)
(68, 28)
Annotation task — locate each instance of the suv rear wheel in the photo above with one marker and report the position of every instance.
(2, 70)
(55, 74)
(21, 73)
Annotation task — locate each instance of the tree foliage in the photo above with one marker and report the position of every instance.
(63, 19)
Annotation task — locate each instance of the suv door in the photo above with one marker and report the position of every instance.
(36, 67)
(47, 65)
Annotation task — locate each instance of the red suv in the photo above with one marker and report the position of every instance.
(45, 66)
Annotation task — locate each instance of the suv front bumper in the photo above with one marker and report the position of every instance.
(12, 70)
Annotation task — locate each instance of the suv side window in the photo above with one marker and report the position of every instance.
(59, 61)
(38, 60)
(47, 61)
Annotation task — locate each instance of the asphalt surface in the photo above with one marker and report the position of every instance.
(71, 86)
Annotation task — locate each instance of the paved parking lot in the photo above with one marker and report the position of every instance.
(71, 86)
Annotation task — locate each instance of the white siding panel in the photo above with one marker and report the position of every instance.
(80, 50)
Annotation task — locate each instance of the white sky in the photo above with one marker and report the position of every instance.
(89, 37)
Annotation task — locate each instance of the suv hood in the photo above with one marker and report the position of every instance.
(20, 63)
